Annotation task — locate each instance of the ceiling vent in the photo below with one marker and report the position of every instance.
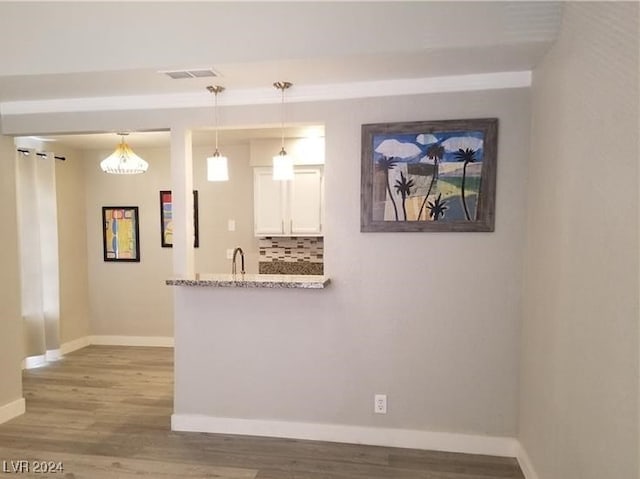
(192, 73)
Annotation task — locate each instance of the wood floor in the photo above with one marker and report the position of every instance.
(104, 412)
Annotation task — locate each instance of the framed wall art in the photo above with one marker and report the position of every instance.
(429, 176)
(120, 233)
(166, 219)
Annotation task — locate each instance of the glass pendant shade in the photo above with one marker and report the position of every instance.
(217, 168)
(283, 166)
(123, 161)
(217, 165)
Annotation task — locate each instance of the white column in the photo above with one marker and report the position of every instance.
(182, 199)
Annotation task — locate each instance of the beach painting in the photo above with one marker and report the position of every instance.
(429, 176)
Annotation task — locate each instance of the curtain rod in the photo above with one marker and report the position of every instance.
(42, 155)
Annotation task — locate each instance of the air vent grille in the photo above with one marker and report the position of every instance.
(191, 73)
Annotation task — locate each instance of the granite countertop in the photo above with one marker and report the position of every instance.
(273, 281)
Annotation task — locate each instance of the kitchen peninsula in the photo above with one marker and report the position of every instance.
(252, 281)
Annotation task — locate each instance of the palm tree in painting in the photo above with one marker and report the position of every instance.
(385, 164)
(468, 156)
(435, 152)
(403, 187)
(437, 207)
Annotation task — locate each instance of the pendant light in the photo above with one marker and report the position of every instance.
(217, 167)
(282, 163)
(123, 161)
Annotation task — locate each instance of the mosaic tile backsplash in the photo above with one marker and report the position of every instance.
(292, 255)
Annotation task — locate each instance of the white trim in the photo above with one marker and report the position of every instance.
(406, 438)
(257, 96)
(74, 345)
(155, 341)
(35, 361)
(12, 410)
(525, 463)
(53, 355)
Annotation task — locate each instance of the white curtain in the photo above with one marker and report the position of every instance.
(38, 236)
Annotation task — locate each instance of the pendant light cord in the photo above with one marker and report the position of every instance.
(215, 90)
(215, 119)
(282, 86)
(282, 118)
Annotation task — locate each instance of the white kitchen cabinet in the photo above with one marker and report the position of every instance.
(268, 204)
(288, 208)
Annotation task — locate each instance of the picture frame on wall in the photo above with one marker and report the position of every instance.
(429, 176)
(166, 219)
(120, 233)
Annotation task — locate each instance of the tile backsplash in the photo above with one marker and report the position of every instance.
(291, 255)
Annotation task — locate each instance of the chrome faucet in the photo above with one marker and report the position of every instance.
(233, 265)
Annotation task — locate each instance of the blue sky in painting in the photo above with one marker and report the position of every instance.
(412, 148)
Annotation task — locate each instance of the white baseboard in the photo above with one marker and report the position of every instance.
(525, 463)
(34, 361)
(154, 341)
(12, 410)
(53, 355)
(407, 438)
(71, 346)
(83, 342)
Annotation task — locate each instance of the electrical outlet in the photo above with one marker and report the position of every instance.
(380, 404)
(230, 254)
(231, 225)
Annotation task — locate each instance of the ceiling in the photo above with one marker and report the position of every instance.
(160, 139)
(114, 51)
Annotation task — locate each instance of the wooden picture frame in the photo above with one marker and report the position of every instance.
(166, 219)
(435, 176)
(120, 233)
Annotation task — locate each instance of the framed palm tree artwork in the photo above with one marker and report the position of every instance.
(429, 176)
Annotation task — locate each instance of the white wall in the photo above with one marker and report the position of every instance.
(579, 384)
(11, 344)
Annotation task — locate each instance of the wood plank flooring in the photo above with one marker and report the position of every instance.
(104, 412)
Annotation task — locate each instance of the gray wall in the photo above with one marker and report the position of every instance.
(72, 246)
(128, 299)
(131, 299)
(220, 202)
(10, 318)
(432, 320)
(579, 386)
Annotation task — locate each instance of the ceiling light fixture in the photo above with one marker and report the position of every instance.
(282, 163)
(217, 167)
(123, 161)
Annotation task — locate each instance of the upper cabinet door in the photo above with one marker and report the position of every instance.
(268, 204)
(305, 202)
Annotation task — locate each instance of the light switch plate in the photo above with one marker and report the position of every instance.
(231, 225)
(230, 253)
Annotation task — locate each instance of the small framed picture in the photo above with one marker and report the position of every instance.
(121, 233)
(166, 219)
